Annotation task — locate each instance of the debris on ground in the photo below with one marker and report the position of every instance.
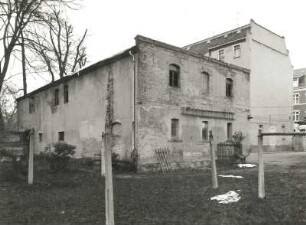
(232, 176)
(246, 165)
(229, 197)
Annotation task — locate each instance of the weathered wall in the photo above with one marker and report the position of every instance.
(83, 117)
(158, 103)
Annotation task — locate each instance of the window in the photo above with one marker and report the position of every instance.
(204, 130)
(229, 87)
(174, 128)
(31, 104)
(229, 131)
(296, 98)
(61, 136)
(56, 96)
(206, 82)
(66, 93)
(174, 75)
(296, 115)
(301, 81)
(40, 137)
(237, 51)
(295, 82)
(221, 54)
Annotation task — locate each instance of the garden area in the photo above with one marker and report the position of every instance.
(76, 196)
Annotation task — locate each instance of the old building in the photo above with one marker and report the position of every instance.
(263, 52)
(299, 99)
(164, 96)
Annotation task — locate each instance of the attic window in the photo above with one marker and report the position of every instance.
(31, 104)
(237, 51)
(56, 96)
(221, 54)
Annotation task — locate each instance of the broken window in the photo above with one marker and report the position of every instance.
(221, 54)
(174, 128)
(229, 87)
(174, 75)
(61, 136)
(31, 104)
(66, 93)
(206, 82)
(56, 96)
(229, 131)
(237, 51)
(204, 130)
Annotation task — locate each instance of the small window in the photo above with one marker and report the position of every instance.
(61, 136)
(31, 104)
(295, 82)
(56, 96)
(40, 137)
(174, 128)
(296, 98)
(229, 131)
(206, 82)
(296, 115)
(221, 54)
(66, 93)
(237, 51)
(204, 130)
(301, 81)
(229, 87)
(174, 75)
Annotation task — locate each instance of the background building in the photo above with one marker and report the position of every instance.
(299, 99)
(263, 52)
(164, 96)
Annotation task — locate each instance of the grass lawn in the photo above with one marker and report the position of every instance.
(177, 198)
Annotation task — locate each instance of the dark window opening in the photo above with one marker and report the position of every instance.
(66, 93)
(229, 131)
(174, 128)
(204, 130)
(56, 96)
(61, 136)
(31, 105)
(174, 75)
(229, 87)
(40, 137)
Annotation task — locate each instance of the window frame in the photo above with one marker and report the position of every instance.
(237, 50)
(229, 130)
(296, 98)
(174, 75)
(61, 136)
(205, 131)
(40, 136)
(206, 82)
(56, 97)
(66, 93)
(221, 56)
(31, 104)
(229, 87)
(174, 130)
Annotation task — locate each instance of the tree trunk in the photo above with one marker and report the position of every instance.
(24, 75)
(2, 128)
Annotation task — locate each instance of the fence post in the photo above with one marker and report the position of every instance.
(261, 171)
(109, 192)
(31, 155)
(102, 164)
(213, 161)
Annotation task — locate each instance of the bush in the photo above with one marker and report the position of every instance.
(59, 157)
(236, 140)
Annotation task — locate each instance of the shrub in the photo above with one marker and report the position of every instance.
(59, 157)
(236, 140)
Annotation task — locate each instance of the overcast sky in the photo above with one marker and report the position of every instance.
(113, 24)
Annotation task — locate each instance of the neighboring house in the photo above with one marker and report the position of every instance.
(164, 96)
(263, 52)
(299, 99)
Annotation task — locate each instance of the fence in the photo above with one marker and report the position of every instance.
(225, 152)
(164, 158)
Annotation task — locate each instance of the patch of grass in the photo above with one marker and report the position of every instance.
(176, 198)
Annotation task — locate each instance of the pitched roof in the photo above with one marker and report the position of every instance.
(229, 37)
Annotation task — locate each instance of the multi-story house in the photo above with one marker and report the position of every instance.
(299, 99)
(263, 52)
(163, 96)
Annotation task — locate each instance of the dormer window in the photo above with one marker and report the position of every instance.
(221, 54)
(174, 75)
(237, 51)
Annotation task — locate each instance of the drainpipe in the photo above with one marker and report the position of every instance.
(134, 102)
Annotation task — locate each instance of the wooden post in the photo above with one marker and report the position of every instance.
(261, 171)
(30, 158)
(109, 192)
(103, 156)
(213, 161)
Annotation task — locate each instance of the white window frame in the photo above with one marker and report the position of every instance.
(219, 58)
(296, 98)
(237, 51)
(296, 115)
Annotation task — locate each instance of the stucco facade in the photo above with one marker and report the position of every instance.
(145, 104)
(266, 55)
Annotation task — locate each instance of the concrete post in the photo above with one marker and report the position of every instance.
(213, 161)
(102, 164)
(31, 156)
(109, 192)
(261, 171)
